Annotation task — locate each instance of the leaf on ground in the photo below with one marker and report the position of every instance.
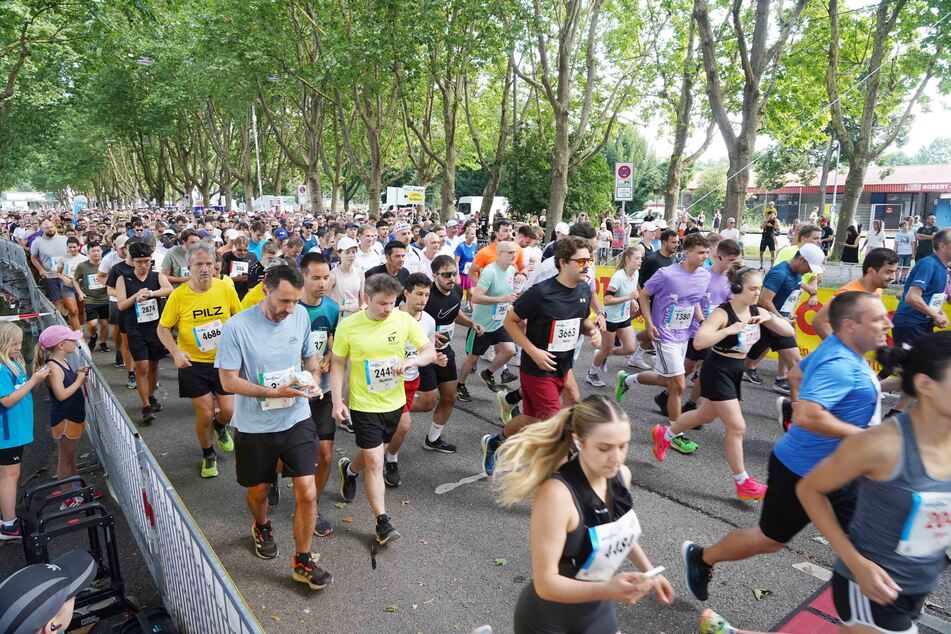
(821, 540)
(501, 562)
(423, 541)
(347, 518)
(405, 502)
(339, 450)
(391, 608)
(340, 505)
(276, 618)
(760, 593)
(415, 605)
(428, 601)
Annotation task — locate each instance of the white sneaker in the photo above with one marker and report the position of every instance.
(594, 379)
(636, 360)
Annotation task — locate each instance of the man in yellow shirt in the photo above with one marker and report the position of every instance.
(374, 340)
(200, 307)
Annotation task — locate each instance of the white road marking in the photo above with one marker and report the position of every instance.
(449, 486)
(824, 574)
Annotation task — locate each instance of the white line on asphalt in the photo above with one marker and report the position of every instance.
(939, 625)
(449, 486)
(823, 574)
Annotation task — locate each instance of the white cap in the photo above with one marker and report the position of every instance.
(451, 223)
(648, 226)
(562, 228)
(661, 223)
(345, 243)
(231, 234)
(814, 256)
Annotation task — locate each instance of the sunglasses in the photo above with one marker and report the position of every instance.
(447, 274)
(582, 262)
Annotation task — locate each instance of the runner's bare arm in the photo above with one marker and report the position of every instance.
(814, 417)
(766, 301)
(820, 321)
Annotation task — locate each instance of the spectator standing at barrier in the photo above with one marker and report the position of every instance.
(905, 248)
(39, 598)
(875, 237)
(259, 360)
(46, 252)
(17, 425)
(850, 248)
(924, 236)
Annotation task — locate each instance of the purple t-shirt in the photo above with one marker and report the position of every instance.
(717, 293)
(675, 293)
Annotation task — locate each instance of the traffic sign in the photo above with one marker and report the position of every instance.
(624, 181)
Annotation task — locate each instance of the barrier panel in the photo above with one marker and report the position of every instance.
(195, 587)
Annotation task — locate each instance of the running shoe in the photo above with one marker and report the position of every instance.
(683, 444)
(489, 381)
(70, 503)
(274, 492)
(508, 376)
(462, 393)
(505, 410)
(781, 386)
(661, 400)
(713, 623)
(594, 378)
(391, 474)
(661, 444)
(131, 384)
(309, 572)
(154, 404)
(223, 440)
(119, 362)
(636, 360)
(92, 343)
(264, 545)
(698, 573)
(784, 412)
(620, 388)
(209, 466)
(489, 445)
(348, 483)
(103, 347)
(439, 445)
(689, 406)
(752, 377)
(322, 528)
(12, 532)
(148, 415)
(385, 533)
(750, 490)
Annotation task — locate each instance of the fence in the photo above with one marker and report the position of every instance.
(194, 585)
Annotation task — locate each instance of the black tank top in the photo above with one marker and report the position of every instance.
(592, 511)
(731, 343)
(132, 286)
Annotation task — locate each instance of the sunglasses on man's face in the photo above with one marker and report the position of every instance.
(582, 262)
(447, 274)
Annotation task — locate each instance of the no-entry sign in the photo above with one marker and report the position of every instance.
(623, 181)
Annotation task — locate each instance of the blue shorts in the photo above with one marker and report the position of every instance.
(904, 260)
(910, 333)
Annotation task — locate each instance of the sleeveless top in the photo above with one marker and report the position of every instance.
(737, 343)
(140, 316)
(346, 289)
(904, 524)
(74, 407)
(604, 536)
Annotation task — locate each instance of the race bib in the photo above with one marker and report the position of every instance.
(350, 303)
(68, 269)
(319, 337)
(446, 331)
(273, 379)
(379, 374)
(564, 334)
(184, 272)
(466, 267)
(936, 303)
(625, 311)
(54, 262)
(927, 530)
(238, 268)
(791, 302)
(208, 335)
(146, 311)
(93, 283)
(679, 317)
(499, 311)
(610, 544)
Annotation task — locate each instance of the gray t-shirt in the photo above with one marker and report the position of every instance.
(176, 261)
(266, 352)
(49, 251)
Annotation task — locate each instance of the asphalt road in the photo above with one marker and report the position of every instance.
(463, 561)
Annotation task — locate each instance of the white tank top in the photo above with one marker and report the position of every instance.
(346, 290)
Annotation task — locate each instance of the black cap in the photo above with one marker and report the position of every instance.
(32, 596)
(139, 250)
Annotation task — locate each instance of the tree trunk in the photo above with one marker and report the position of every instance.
(824, 177)
(854, 183)
(734, 206)
(313, 189)
(491, 188)
(448, 193)
(373, 190)
(672, 187)
(558, 189)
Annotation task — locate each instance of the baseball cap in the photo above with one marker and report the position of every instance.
(345, 243)
(402, 226)
(231, 234)
(57, 334)
(562, 228)
(648, 226)
(353, 225)
(451, 223)
(169, 232)
(281, 234)
(33, 595)
(661, 223)
(814, 256)
(120, 241)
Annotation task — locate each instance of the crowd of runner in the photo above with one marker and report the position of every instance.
(287, 328)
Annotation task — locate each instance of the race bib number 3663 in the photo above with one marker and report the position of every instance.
(564, 334)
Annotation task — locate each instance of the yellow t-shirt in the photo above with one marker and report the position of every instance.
(373, 347)
(200, 317)
(228, 282)
(253, 297)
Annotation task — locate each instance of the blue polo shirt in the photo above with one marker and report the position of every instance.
(16, 423)
(931, 276)
(842, 382)
(782, 280)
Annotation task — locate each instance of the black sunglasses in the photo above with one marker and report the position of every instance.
(447, 274)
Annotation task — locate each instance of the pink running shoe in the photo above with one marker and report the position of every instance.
(750, 490)
(661, 444)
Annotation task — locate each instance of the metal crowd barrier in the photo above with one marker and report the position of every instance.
(194, 585)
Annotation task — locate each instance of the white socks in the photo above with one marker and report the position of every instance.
(435, 431)
(391, 457)
(631, 380)
(740, 478)
(669, 434)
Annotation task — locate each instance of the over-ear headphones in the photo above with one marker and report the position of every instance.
(736, 287)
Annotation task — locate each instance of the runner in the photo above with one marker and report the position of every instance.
(556, 315)
(259, 360)
(840, 397)
(653, 262)
(465, 254)
(346, 281)
(878, 272)
(140, 293)
(438, 383)
(369, 253)
(730, 330)
(394, 253)
(236, 264)
(618, 296)
(200, 308)
(894, 552)
(66, 272)
(415, 296)
(670, 301)
(324, 315)
(175, 264)
(374, 340)
(577, 541)
(46, 252)
(493, 297)
(92, 293)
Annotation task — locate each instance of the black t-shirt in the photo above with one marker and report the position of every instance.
(401, 276)
(554, 314)
(444, 309)
(925, 247)
(226, 261)
(132, 286)
(653, 261)
(826, 232)
(770, 229)
(118, 269)
(549, 250)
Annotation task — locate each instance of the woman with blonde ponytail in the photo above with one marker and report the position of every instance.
(573, 463)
